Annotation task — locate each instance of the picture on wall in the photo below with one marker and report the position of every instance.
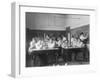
(49, 40)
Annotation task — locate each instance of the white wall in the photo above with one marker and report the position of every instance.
(48, 21)
(75, 21)
(45, 21)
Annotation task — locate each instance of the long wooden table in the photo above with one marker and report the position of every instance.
(44, 54)
(69, 54)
